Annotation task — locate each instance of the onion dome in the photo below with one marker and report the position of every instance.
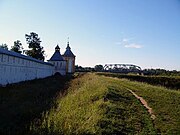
(68, 52)
(57, 55)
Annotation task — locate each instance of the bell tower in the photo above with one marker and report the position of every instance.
(58, 62)
(70, 59)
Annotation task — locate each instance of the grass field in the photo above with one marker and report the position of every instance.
(172, 82)
(165, 103)
(23, 102)
(96, 105)
(92, 104)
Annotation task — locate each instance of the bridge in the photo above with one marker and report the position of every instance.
(122, 68)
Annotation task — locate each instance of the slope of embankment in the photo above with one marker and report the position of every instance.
(96, 105)
(88, 104)
(21, 103)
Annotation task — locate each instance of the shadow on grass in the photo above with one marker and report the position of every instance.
(124, 115)
(21, 103)
(114, 120)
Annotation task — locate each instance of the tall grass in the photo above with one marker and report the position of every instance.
(95, 105)
(164, 102)
(89, 104)
(23, 102)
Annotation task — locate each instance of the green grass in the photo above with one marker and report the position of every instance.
(172, 82)
(96, 105)
(165, 103)
(23, 102)
(88, 104)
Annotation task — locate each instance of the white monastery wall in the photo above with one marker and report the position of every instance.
(16, 69)
(60, 66)
(70, 65)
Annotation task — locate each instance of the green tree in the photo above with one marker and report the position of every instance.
(98, 68)
(17, 47)
(34, 44)
(4, 46)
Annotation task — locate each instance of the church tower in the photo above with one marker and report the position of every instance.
(58, 61)
(70, 59)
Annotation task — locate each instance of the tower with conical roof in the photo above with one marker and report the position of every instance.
(58, 61)
(70, 59)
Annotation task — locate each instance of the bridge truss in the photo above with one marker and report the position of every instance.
(122, 68)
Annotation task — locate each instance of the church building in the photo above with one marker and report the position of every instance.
(69, 57)
(15, 67)
(63, 63)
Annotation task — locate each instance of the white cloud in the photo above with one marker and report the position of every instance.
(126, 42)
(133, 45)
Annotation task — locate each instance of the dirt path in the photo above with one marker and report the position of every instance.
(144, 104)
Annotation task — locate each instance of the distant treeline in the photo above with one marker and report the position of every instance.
(166, 81)
(84, 69)
(159, 72)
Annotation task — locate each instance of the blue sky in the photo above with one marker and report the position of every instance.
(141, 32)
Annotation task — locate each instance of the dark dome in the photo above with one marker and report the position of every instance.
(57, 55)
(68, 52)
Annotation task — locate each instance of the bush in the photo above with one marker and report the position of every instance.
(169, 82)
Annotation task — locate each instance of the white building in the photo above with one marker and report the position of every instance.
(69, 57)
(15, 67)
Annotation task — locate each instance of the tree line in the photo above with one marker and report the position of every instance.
(34, 44)
(150, 72)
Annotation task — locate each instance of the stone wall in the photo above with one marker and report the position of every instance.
(70, 64)
(15, 68)
(59, 67)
